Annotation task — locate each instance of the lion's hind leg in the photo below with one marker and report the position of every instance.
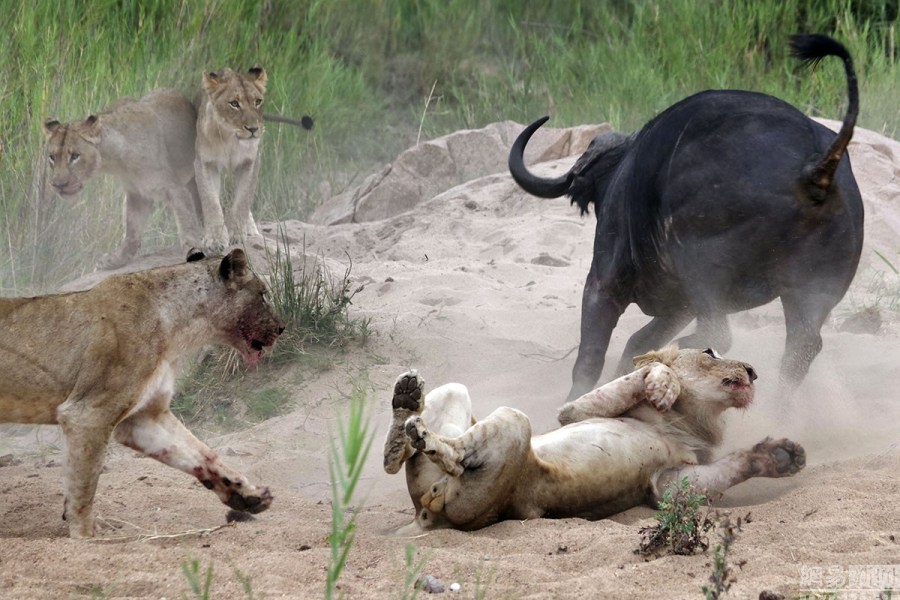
(482, 466)
(447, 409)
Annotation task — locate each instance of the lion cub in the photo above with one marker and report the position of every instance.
(619, 445)
(148, 146)
(229, 128)
(102, 363)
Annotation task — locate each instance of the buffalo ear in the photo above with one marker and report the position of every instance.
(195, 254)
(234, 265)
(51, 125)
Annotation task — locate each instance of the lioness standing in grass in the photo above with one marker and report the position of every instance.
(148, 146)
(102, 363)
(229, 128)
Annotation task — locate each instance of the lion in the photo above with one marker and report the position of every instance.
(229, 128)
(148, 146)
(102, 363)
(619, 445)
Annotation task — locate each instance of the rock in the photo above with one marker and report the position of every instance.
(427, 169)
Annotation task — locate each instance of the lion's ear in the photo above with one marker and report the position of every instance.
(195, 254)
(234, 265)
(665, 356)
(211, 81)
(259, 76)
(51, 125)
(90, 129)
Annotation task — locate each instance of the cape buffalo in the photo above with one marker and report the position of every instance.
(723, 202)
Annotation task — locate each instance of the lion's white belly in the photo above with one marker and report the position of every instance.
(601, 466)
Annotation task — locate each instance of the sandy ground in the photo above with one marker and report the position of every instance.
(481, 284)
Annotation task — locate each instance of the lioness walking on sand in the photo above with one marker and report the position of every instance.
(102, 363)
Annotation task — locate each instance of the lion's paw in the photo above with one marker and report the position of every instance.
(661, 387)
(417, 433)
(253, 502)
(215, 242)
(114, 260)
(409, 392)
(786, 457)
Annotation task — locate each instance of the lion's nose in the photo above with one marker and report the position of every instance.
(252, 130)
(751, 372)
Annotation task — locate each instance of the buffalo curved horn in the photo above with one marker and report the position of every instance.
(531, 183)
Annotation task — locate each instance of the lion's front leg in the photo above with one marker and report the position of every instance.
(769, 458)
(209, 183)
(163, 437)
(137, 210)
(241, 223)
(656, 383)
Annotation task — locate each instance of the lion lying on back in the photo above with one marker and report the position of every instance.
(619, 445)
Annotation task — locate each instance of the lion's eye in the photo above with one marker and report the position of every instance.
(234, 104)
(259, 101)
(73, 157)
(712, 353)
(51, 159)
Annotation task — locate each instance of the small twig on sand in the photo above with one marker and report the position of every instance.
(147, 537)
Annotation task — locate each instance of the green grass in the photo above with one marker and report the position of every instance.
(348, 452)
(363, 70)
(314, 304)
(217, 392)
(681, 522)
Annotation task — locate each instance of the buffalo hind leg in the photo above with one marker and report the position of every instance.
(769, 458)
(652, 336)
(480, 466)
(712, 331)
(804, 315)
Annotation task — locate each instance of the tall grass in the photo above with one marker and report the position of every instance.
(348, 453)
(362, 69)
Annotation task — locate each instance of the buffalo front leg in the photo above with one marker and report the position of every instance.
(161, 436)
(655, 383)
(599, 315)
(481, 466)
(769, 458)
